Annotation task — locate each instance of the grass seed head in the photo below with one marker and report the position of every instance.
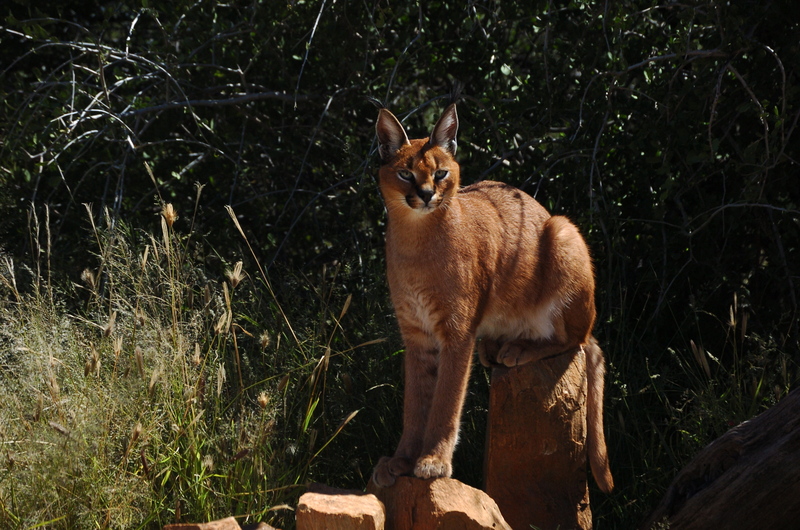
(283, 382)
(144, 257)
(139, 361)
(151, 387)
(137, 431)
(220, 379)
(89, 278)
(223, 324)
(263, 400)
(196, 354)
(92, 365)
(169, 213)
(53, 386)
(145, 463)
(60, 429)
(108, 329)
(235, 276)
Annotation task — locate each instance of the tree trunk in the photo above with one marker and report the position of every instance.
(747, 478)
(535, 465)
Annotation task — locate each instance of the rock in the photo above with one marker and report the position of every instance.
(325, 508)
(229, 523)
(437, 503)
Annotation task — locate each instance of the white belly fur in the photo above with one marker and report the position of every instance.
(536, 324)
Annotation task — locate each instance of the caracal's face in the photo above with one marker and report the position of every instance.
(421, 178)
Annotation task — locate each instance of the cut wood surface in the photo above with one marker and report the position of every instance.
(535, 466)
(747, 478)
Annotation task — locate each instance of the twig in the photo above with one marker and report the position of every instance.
(724, 207)
(761, 111)
(308, 48)
(239, 100)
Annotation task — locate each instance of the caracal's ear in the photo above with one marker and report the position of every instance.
(391, 136)
(444, 132)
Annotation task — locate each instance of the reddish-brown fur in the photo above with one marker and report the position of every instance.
(483, 262)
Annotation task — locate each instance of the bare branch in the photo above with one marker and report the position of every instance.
(238, 100)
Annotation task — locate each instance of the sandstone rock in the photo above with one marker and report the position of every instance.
(437, 503)
(325, 508)
(229, 523)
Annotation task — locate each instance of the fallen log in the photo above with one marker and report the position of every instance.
(747, 478)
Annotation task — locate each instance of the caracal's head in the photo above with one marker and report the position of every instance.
(418, 177)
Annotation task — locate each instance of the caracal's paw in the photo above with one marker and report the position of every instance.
(514, 353)
(487, 352)
(433, 466)
(389, 468)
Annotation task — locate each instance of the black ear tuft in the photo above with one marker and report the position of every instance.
(376, 102)
(444, 132)
(455, 92)
(391, 135)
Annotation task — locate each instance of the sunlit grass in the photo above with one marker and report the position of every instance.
(146, 392)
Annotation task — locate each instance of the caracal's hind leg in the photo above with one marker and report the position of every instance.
(487, 352)
(493, 353)
(523, 351)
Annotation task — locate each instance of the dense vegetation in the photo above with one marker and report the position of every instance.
(147, 378)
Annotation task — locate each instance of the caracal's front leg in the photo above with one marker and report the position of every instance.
(421, 369)
(444, 418)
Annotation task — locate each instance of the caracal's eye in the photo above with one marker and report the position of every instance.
(406, 175)
(440, 174)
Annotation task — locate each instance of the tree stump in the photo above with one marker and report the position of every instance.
(535, 461)
(747, 478)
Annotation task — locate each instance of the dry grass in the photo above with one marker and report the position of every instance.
(143, 394)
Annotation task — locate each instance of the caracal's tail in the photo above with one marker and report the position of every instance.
(595, 436)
